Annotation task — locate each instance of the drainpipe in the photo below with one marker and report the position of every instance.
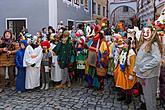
(107, 9)
(154, 10)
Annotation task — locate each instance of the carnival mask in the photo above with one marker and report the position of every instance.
(147, 33)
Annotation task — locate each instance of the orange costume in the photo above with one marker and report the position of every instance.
(127, 78)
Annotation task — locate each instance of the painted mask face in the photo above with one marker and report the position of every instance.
(147, 33)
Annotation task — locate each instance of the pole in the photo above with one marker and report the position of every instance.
(107, 8)
(154, 10)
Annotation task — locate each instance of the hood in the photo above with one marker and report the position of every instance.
(24, 42)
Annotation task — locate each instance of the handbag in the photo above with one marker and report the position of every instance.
(101, 71)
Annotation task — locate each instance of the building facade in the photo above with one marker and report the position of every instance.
(160, 4)
(35, 14)
(122, 10)
(146, 10)
(124, 14)
(99, 9)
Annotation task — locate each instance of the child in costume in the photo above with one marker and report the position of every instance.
(66, 53)
(126, 78)
(8, 49)
(45, 65)
(80, 57)
(21, 71)
(147, 66)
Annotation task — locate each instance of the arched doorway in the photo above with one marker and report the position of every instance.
(122, 13)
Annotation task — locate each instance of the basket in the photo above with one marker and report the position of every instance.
(101, 71)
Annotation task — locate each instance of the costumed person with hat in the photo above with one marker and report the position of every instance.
(102, 61)
(147, 66)
(21, 70)
(81, 54)
(45, 65)
(66, 57)
(126, 78)
(32, 62)
(8, 49)
(92, 59)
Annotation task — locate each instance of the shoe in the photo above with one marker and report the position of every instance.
(47, 86)
(1, 90)
(19, 92)
(69, 84)
(61, 86)
(128, 100)
(12, 88)
(121, 98)
(142, 107)
(43, 86)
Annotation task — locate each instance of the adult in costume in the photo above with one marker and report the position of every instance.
(32, 62)
(8, 49)
(147, 66)
(65, 52)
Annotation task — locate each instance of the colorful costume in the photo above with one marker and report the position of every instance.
(123, 72)
(45, 65)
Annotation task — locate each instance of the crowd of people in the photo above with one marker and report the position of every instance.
(88, 54)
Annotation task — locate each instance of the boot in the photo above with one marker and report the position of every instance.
(1, 90)
(69, 84)
(43, 86)
(128, 99)
(142, 107)
(122, 97)
(61, 86)
(47, 86)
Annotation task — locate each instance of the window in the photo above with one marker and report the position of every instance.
(99, 7)
(103, 11)
(125, 9)
(82, 1)
(94, 8)
(16, 25)
(77, 2)
(70, 24)
(86, 4)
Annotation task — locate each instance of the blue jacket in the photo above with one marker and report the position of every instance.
(19, 58)
(20, 55)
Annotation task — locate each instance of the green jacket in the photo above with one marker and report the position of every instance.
(65, 53)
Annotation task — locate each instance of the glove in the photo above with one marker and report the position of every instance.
(130, 77)
(33, 65)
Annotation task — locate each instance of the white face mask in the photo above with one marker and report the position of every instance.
(147, 33)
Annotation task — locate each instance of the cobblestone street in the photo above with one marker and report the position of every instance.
(74, 98)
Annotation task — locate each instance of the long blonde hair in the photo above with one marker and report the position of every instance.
(154, 38)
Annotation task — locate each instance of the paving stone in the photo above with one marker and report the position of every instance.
(74, 98)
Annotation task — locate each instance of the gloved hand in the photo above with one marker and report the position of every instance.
(130, 77)
(33, 65)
